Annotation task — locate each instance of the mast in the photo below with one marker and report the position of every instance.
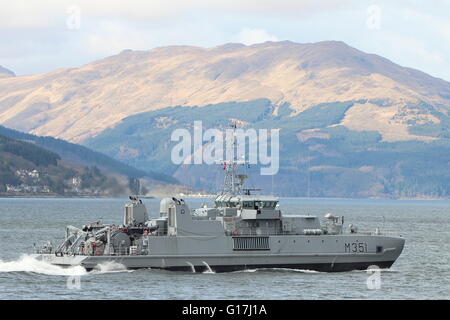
(233, 182)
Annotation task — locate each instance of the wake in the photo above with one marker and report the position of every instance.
(29, 264)
(278, 270)
(109, 267)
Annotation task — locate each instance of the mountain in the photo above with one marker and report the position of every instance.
(319, 157)
(351, 124)
(82, 156)
(78, 103)
(5, 73)
(27, 169)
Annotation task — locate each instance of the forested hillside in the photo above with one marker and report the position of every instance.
(26, 169)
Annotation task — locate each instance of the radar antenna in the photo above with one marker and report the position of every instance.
(233, 182)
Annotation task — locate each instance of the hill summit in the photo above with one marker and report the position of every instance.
(78, 103)
(4, 73)
(352, 124)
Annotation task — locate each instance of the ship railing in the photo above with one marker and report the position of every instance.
(390, 233)
(378, 232)
(245, 232)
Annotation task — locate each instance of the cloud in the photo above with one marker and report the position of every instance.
(109, 37)
(251, 36)
(414, 35)
(26, 13)
(37, 37)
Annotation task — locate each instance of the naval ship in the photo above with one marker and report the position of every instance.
(240, 231)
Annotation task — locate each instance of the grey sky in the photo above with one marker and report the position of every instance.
(40, 36)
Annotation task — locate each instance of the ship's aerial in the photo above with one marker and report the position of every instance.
(240, 231)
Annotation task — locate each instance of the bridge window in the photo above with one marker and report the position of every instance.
(248, 204)
(221, 204)
(269, 204)
(231, 204)
(259, 204)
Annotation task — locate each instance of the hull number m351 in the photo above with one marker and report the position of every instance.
(354, 247)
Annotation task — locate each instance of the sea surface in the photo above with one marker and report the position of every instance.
(421, 272)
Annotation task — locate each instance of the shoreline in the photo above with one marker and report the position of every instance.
(2, 196)
(54, 196)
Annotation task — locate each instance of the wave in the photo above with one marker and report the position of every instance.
(27, 263)
(383, 270)
(109, 267)
(290, 270)
(276, 270)
(245, 271)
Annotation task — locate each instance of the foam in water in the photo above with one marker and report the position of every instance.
(297, 270)
(27, 263)
(208, 268)
(245, 271)
(110, 267)
(289, 270)
(384, 270)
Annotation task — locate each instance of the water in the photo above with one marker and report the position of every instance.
(421, 272)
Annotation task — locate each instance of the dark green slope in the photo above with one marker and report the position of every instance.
(332, 162)
(26, 169)
(146, 134)
(80, 155)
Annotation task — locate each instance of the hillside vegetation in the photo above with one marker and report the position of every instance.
(26, 169)
(318, 156)
(82, 156)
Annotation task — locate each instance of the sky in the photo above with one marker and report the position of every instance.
(39, 36)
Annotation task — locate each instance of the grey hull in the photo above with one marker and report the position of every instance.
(320, 253)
